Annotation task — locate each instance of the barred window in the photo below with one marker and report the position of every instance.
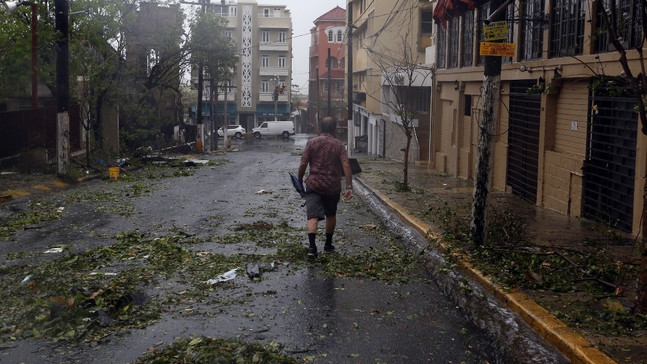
(510, 18)
(468, 39)
(532, 34)
(567, 31)
(452, 38)
(483, 12)
(441, 46)
(625, 17)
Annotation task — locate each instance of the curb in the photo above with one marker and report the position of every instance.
(570, 343)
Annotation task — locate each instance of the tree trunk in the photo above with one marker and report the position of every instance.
(405, 169)
(641, 281)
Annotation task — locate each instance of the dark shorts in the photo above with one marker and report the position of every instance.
(320, 206)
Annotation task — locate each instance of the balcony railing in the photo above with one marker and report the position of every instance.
(267, 97)
(274, 46)
(273, 71)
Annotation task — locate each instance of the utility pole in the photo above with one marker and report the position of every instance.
(491, 95)
(318, 98)
(349, 68)
(275, 96)
(34, 55)
(62, 9)
(328, 65)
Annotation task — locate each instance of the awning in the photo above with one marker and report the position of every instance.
(220, 109)
(268, 110)
(447, 9)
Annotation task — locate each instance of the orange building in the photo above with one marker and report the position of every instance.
(326, 90)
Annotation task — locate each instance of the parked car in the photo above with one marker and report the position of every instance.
(285, 128)
(233, 131)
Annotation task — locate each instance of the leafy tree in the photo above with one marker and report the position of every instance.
(97, 44)
(213, 50)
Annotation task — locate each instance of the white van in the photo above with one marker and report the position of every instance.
(284, 128)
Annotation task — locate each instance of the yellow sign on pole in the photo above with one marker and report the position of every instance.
(496, 30)
(498, 49)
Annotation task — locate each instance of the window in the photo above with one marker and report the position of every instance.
(282, 37)
(442, 47)
(330, 38)
(265, 61)
(232, 10)
(342, 63)
(325, 86)
(332, 62)
(340, 36)
(339, 85)
(265, 36)
(277, 12)
(426, 22)
(229, 34)
(468, 39)
(152, 60)
(265, 86)
(483, 13)
(629, 23)
(468, 105)
(510, 16)
(567, 31)
(532, 34)
(452, 37)
(282, 61)
(266, 13)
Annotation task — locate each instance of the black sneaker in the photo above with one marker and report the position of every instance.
(312, 252)
(329, 248)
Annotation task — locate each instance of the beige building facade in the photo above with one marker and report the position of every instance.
(387, 34)
(262, 34)
(560, 141)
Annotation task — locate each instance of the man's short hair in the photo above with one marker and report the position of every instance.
(328, 125)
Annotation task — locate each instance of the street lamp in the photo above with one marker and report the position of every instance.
(11, 6)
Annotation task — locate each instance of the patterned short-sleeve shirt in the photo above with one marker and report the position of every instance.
(324, 155)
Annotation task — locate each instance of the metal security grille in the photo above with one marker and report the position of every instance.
(523, 140)
(609, 168)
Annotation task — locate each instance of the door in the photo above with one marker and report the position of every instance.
(609, 167)
(523, 140)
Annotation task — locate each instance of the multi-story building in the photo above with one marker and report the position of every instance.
(263, 38)
(385, 36)
(326, 93)
(559, 141)
(151, 43)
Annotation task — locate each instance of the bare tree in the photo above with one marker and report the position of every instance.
(403, 81)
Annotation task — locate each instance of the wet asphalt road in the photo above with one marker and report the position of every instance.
(309, 314)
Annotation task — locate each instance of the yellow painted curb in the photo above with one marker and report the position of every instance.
(570, 343)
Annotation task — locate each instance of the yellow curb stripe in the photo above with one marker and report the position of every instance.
(58, 183)
(17, 193)
(41, 188)
(570, 343)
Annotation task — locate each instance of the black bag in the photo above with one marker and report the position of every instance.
(298, 185)
(354, 166)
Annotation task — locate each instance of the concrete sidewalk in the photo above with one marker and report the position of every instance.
(432, 189)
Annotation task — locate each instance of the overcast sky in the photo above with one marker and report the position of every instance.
(303, 12)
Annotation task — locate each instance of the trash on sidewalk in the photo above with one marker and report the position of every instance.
(195, 162)
(253, 271)
(227, 276)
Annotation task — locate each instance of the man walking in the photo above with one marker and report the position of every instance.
(326, 157)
